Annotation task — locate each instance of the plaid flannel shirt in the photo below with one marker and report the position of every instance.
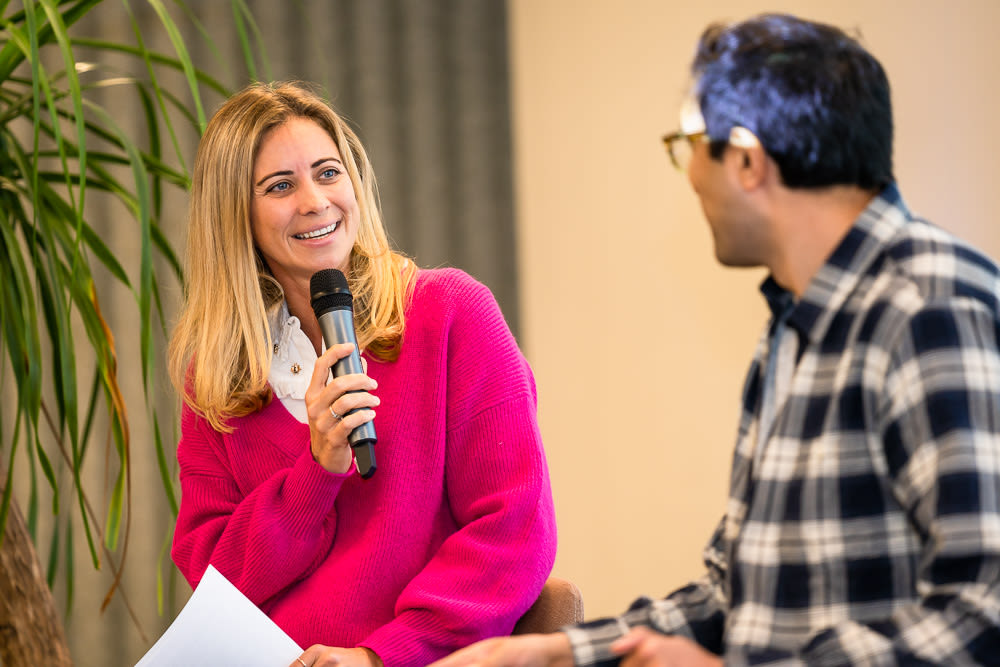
(868, 531)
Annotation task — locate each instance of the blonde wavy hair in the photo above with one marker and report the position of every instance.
(220, 351)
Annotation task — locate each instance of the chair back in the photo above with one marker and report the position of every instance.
(560, 603)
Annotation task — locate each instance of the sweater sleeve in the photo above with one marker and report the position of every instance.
(262, 541)
(489, 571)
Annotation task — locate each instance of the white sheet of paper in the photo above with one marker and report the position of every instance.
(220, 626)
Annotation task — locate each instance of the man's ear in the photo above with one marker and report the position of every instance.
(754, 166)
(753, 160)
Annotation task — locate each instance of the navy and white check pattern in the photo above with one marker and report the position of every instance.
(868, 532)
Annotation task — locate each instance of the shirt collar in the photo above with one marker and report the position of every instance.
(780, 301)
(864, 242)
(293, 354)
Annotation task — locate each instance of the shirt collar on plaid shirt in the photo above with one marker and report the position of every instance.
(850, 260)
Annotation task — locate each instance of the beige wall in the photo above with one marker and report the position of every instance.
(630, 325)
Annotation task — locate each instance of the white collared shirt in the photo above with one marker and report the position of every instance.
(293, 361)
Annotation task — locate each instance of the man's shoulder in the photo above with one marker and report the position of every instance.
(922, 238)
(940, 264)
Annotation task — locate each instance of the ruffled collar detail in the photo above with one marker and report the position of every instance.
(293, 360)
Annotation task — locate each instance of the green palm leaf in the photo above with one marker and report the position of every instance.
(61, 150)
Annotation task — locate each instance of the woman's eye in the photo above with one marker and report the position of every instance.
(329, 172)
(279, 187)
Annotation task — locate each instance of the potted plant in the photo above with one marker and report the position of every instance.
(58, 150)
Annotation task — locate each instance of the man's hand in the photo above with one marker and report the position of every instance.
(643, 647)
(522, 651)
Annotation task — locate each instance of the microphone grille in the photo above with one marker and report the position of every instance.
(328, 290)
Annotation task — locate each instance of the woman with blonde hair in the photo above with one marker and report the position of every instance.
(454, 536)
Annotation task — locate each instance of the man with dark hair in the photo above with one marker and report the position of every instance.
(863, 523)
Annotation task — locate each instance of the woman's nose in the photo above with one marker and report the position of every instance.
(312, 199)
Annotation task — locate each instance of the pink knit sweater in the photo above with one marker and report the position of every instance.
(448, 543)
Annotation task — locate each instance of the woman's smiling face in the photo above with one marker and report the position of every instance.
(304, 213)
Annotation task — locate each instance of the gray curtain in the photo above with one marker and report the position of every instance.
(425, 83)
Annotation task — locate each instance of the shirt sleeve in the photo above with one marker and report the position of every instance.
(939, 429)
(941, 441)
(696, 611)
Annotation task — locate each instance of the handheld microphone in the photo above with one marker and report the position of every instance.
(332, 302)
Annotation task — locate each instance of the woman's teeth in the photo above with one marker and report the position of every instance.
(319, 232)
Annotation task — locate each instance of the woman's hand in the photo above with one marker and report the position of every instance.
(327, 404)
(318, 655)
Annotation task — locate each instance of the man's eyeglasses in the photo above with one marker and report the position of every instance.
(680, 144)
(680, 147)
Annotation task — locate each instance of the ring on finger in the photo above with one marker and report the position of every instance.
(300, 659)
(335, 415)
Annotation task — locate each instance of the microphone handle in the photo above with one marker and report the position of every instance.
(337, 327)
